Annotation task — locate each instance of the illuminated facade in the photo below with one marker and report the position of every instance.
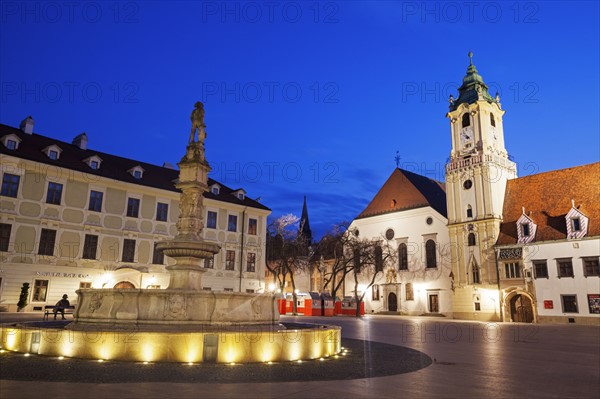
(73, 217)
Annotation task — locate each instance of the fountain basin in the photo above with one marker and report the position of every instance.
(232, 344)
(173, 307)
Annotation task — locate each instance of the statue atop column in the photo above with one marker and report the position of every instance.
(197, 119)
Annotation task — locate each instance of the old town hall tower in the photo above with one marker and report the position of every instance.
(476, 177)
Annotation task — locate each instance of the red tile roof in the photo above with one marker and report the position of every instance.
(547, 199)
(407, 190)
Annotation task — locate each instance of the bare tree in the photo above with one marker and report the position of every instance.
(287, 252)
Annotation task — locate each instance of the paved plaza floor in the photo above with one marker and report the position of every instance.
(389, 357)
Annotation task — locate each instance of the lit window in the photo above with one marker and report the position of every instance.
(85, 284)
(251, 262)
(230, 260)
(162, 212)
(232, 223)
(209, 263)
(211, 220)
(409, 293)
(252, 226)
(40, 289)
(10, 185)
(512, 270)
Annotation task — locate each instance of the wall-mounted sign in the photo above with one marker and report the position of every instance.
(548, 304)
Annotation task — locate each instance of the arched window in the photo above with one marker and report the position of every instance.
(402, 257)
(430, 257)
(466, 120)
(476, 278)
(492, 120)
(378, 252)
(469, 211)
(471, 239)
(410, 295)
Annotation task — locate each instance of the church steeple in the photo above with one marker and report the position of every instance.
(304, 230)
(473, 88)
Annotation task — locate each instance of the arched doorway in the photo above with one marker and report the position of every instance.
(521, 309)
(124, 285)
(392, 302)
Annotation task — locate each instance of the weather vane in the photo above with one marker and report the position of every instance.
(397, 158)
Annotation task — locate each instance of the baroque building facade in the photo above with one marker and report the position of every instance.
(476, 177)
(72, 217)
(549, 247)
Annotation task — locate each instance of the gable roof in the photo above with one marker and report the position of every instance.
(112, 167)
(405, 190)
(547, 197)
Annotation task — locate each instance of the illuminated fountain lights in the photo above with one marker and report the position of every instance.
(182, 323)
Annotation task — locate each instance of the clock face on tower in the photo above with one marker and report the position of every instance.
(466, 137)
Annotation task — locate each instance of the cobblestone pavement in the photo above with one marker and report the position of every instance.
(389, 356)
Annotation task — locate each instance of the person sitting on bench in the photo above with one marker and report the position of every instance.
(61, 306)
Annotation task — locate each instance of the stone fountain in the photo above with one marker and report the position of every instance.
(182, 323)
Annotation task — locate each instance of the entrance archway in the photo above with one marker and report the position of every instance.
(392, 302)
(124, 285)
(521, 309)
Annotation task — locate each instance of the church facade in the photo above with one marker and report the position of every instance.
(511, 249)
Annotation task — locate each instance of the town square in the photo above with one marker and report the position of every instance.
(294, 199)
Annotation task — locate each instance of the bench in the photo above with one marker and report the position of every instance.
(48, 309)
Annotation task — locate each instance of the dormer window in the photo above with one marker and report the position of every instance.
(93, 162)
(466, 120)
(526, 229)
(577, 223)
(11, 141)
(240, 194)
(52, 152)
(215, 189)
(137, 172)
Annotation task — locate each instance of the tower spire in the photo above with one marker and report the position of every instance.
(473, 88)
(304, 231)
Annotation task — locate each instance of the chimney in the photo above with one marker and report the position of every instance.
(168, 165)
(81, 141)
(27, 125)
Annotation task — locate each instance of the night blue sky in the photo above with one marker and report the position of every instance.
(303, 98)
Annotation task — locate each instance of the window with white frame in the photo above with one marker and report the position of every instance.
(512, 270)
